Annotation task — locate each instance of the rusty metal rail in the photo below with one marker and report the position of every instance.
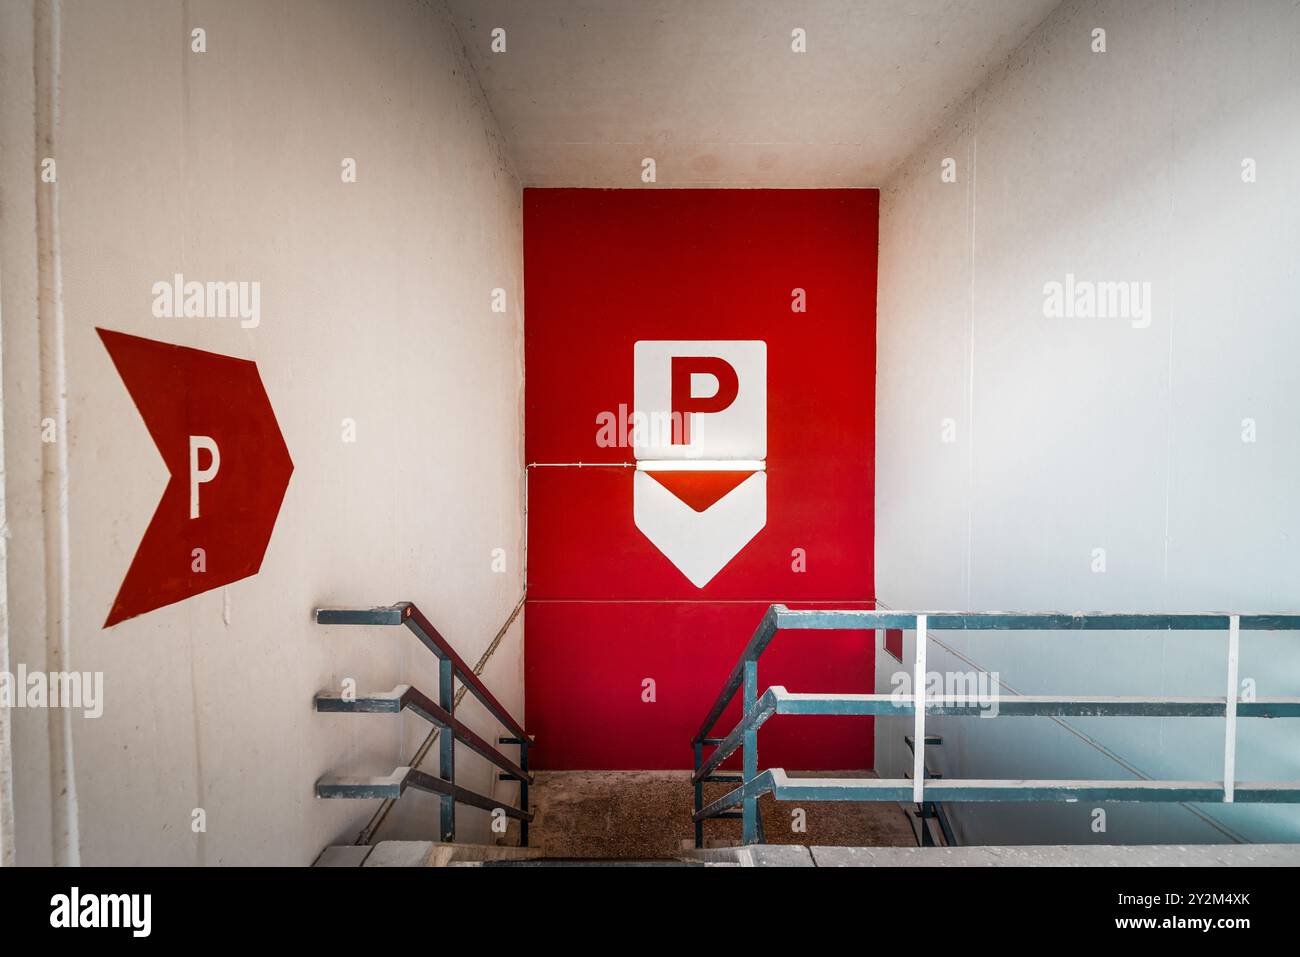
(451, 668)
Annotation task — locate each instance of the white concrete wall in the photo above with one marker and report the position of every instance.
(375, 307)
(1078, 434)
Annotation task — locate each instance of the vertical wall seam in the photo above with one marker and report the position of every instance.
(484, 102)
(1169, 416)
(54, 455)
(970, 359)
(8, 836)
(8, 853)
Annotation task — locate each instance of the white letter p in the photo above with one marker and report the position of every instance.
(197, 475)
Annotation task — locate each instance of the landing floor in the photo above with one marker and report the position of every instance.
(647, 814)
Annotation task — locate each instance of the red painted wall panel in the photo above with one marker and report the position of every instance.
(605, 269)
(582, 542)
(586, 662)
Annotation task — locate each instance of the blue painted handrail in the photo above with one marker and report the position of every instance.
(756, 710)
(451, 667)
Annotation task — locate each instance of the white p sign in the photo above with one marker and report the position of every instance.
(700, 489)
(197, 475)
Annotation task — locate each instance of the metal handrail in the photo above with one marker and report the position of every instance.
(931, 810)
(776, 700)
(405, 696)
(406, 613)
(451, 667)
(393, 785)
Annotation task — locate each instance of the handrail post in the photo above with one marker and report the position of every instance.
(918, 705)
(749, 699)
(447, 750)
(699, 794)
(523, 791)
(1230, 712)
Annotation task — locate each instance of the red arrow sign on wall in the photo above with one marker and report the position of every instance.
(213, 424)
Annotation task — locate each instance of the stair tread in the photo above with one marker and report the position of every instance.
(400, 854)
(343, 855)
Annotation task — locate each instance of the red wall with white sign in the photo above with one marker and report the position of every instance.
(605, 269)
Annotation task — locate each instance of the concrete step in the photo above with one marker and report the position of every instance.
(343, 855)
(421, 854)
(476, 855)
(599, 862)
(1083, 855)
(386, 786)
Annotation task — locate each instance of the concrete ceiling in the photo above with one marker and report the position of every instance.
(712, 91)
